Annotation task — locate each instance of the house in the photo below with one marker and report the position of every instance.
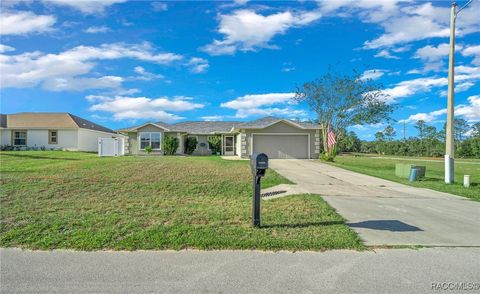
(63, 131)
(278, 138)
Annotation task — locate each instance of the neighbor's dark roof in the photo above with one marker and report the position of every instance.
(270, 120)
(204, 127)
(49, 120)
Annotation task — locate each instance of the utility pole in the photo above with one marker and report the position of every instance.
(404, 132)
(449, 136)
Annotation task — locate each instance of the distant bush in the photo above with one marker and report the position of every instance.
(170, 145)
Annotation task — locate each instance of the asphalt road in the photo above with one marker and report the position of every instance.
(384, 212)
(343, 271)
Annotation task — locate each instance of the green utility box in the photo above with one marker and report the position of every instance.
(402, 170)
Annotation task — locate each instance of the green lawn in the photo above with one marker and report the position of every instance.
(434, 179)
(54, 199)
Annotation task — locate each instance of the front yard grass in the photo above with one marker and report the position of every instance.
(384, 167)
(54, 199)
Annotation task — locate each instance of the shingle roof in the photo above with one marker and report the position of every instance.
(212, 127)
(204, 127)
(49, 120)
(270, 120)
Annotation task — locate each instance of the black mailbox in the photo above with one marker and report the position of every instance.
(258, 164)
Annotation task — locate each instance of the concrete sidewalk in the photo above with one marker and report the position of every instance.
(384, 212)
(343, 271)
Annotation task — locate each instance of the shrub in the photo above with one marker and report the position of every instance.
(215, 144)
(148, 149)
(190, 145)
(170, 145)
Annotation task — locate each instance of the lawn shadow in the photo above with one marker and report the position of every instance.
(385, 225)
(38, 157)
(303, 225)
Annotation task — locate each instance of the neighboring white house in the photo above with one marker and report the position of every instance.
(63, 131)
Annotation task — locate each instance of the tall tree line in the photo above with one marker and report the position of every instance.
(429, 141)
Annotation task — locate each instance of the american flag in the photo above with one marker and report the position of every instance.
(331, 138)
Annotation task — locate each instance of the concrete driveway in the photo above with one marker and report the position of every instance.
(384, 212)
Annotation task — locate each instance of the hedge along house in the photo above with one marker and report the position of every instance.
(278, 138)
(52, 130)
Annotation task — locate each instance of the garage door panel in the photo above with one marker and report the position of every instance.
(281, 146)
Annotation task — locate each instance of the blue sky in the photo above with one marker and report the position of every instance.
(121, 63)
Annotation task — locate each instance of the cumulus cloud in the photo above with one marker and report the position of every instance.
(402, 21)
(80, 84)
(25, 22)
(96, 30)
(427, 117)
(372, 74)
(144, 75)
(6, 48)
(36, 68)
(473, 51)
(198, 65)
(247, 30)
(142, 107)
(159, 6)
(85, 6)
(470, 112)
(260, 105)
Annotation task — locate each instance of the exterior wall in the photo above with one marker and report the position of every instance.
(5, 137)
(134, 144)
(67, 139)
(88, 139)
(280, 127)
(201, 150)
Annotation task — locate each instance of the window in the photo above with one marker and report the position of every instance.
(150, 139)
(19, 138)
(52, 137)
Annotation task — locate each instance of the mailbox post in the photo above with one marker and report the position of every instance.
(258, 164)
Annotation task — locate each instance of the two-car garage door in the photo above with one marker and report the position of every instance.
(281, 145)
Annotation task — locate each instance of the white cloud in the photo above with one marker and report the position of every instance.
(25, 22)
(372, 74)
(385, 54)
(411, 87)
(80, 84)
(473, 51)
(96, 30)
(247, 30)
(86, 6)
(6, 48)
(256, 104)
(404, 21)
(35, 68)
(212, 117)
(198, 65)
(427, 117)
(471, 112)
(159, 6)
(258, 100)
(144, 75)
(288, 67)
(142, 107)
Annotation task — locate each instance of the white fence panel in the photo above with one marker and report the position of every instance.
(110, 147)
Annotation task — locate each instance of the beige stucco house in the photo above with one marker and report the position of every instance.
(278, 138)
(62, 131)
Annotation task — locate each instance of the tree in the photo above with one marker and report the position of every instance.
(461, 128)
(340, 101)
(476, 130)
(190, 145)
(389, 133)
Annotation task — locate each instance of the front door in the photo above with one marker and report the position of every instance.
(228, 146)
